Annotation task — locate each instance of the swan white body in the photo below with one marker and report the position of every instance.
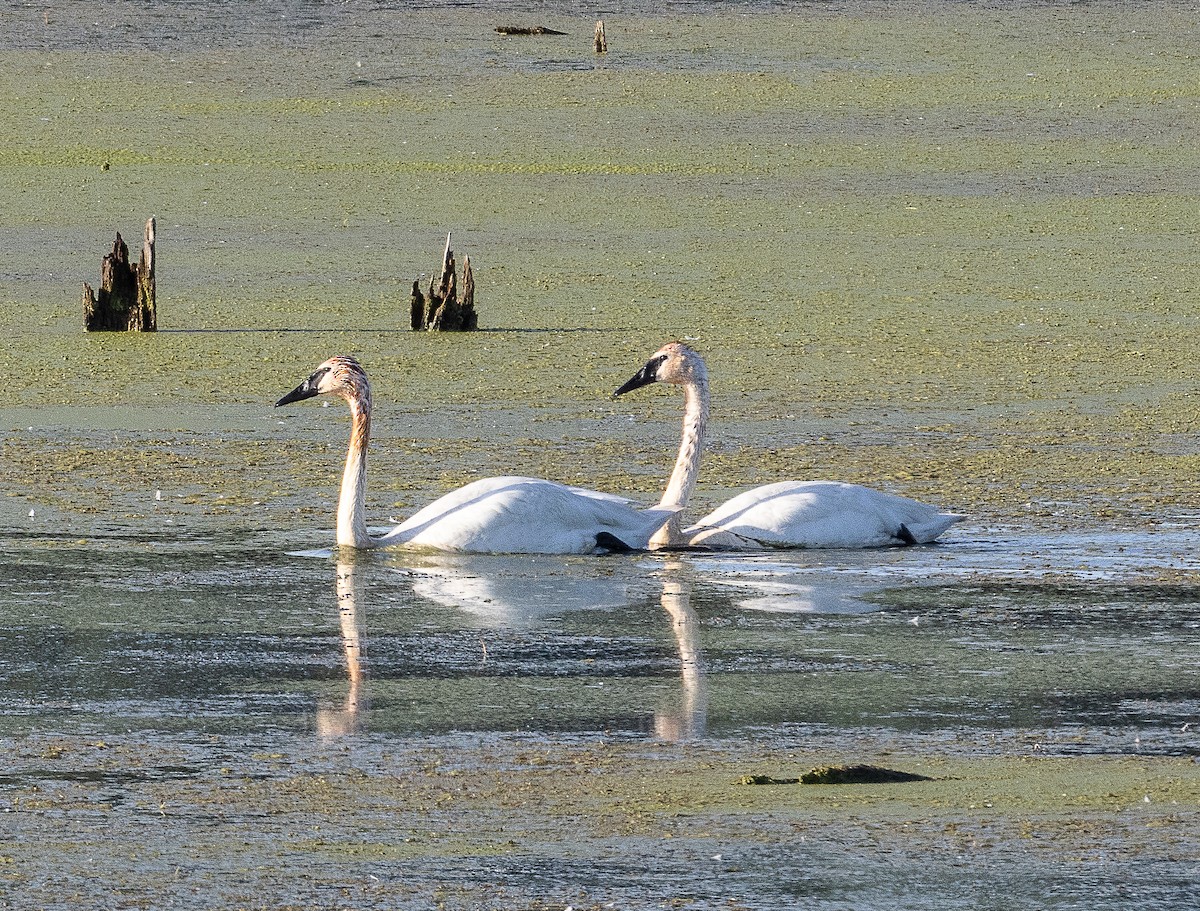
(511, 515)
(786, 514)
(821, 514)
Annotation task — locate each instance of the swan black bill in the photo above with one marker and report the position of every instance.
(305, 390)
(643, 377)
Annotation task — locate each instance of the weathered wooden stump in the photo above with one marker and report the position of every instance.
(600, 42)
(126, 301)
(443, 311)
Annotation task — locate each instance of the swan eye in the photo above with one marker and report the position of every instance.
(657, 363)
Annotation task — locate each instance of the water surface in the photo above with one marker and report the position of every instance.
(177, 669)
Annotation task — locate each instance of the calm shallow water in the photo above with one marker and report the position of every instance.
(1074, 641)
(214, 656)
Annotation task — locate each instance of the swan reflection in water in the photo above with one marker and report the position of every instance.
(516, 592)
(521, 592)
(347, 718)
(810, 582)
(510, 591)
(687, 717)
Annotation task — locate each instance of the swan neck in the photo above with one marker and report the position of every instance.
(687, 463)
(351, 514)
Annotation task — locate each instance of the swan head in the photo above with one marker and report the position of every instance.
(674, 363)
(341, 376)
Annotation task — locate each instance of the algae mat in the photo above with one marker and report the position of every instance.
(947, 250)
(514, 825)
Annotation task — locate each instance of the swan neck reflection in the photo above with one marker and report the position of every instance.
(688, 719)
(339, 721)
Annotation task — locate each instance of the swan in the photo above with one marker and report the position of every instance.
(785, 514)
(513, 515)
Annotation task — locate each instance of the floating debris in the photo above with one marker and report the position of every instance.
(839, 774)
(527, 30)
(766, 779)
(857, 774)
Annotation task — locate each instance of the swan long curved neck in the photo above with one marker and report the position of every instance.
(351, 513)
(691, 444)
(687, 463)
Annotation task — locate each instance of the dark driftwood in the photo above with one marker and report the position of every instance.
(126, 300)
(600, 42)
(857, 774)
(526, 30)
(442, 310)
(840, 774)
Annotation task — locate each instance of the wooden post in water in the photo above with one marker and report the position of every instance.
(601, 42)
(442, 311)
(126, 300)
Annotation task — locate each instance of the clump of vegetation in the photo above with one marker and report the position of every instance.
(766, 779)
(839, 774)
(857, 774)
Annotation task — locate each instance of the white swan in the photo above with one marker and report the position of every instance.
(786, 514)
(496, 515)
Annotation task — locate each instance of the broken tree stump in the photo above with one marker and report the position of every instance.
(600, 42)
(442, 310)
(126, 300)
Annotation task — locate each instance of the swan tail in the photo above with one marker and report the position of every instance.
(925, 532)
(706, 537)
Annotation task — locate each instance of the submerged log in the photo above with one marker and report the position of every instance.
(600, 42)
(442, 310)
(527, 30)
(840, 774)
(857, 774)
(126, 300)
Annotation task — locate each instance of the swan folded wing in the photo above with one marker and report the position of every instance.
(824, 514)
(600, 495)
(525, 515)
(633, 533)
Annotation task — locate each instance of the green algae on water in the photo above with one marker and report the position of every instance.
(954, 263)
